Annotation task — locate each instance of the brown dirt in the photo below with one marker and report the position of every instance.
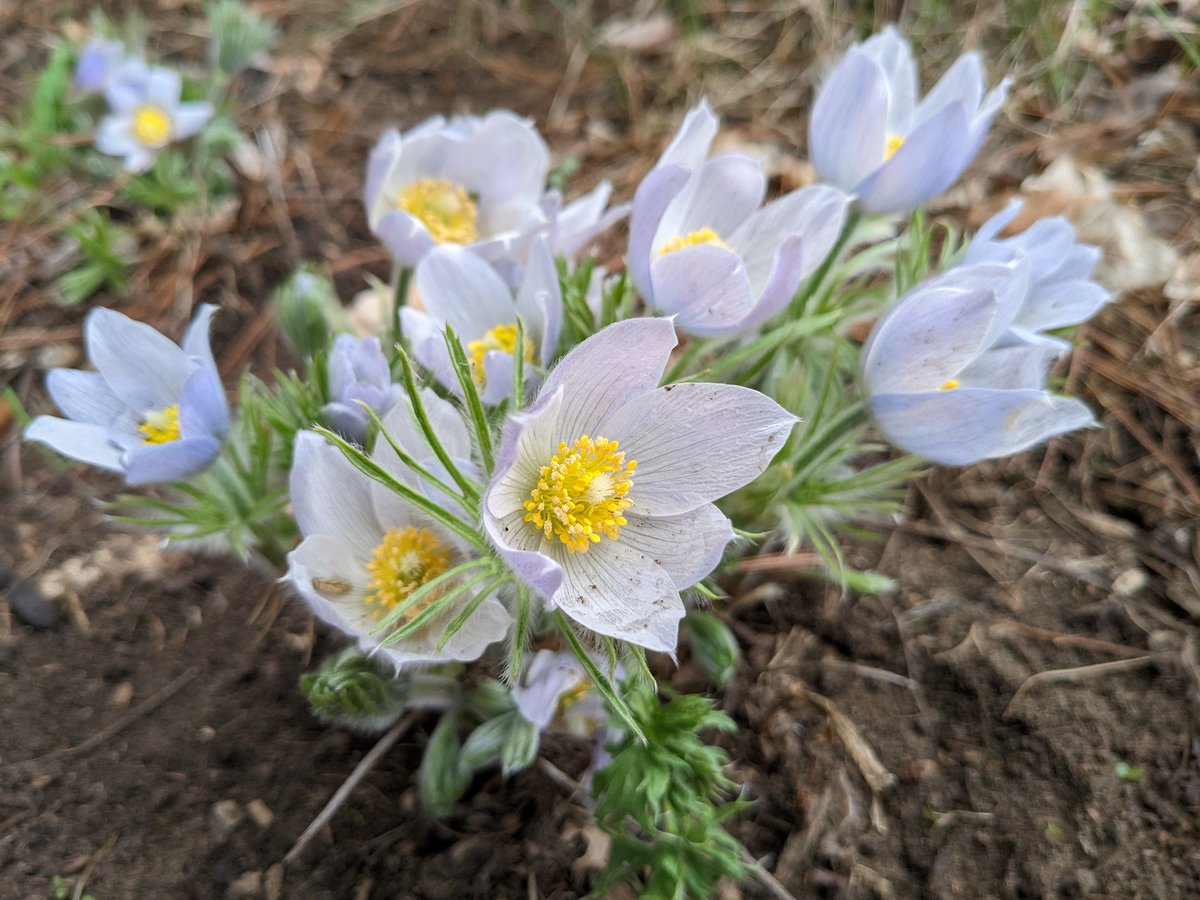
(1081, 554)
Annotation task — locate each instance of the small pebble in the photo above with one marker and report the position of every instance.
(248, 884)
(26, 603)
(260, 813)
(223, 818)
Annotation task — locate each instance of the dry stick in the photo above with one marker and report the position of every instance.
(878, 778)
(77, 894)
(1079, 673)
(159, 697)
(343, 793)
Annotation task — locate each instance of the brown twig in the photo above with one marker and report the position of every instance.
(1078, 673)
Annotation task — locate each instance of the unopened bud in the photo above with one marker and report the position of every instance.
(307, 310)
(713, 645)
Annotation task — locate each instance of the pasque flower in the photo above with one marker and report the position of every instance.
(458, 288)
(1061, 292)
(366, 549)
(97, 61)
(571, 227)
(556, 691)
(152, 409)
(869, 135)
(146, 113)
(358, 373)
(602, 495)
(704, 249)
(475, 181)
(946, 380)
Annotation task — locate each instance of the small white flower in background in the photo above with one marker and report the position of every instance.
(475, 181)
(366, 550)
(358, 373)
(153, 410)
(556, 691)
(602, 495)
(146, 114)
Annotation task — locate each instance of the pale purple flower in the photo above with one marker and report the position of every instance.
(366, 549)
(602, 495)
(458, 288)
(97, 62)
(358, 373)
(945, 380)
(555, 691)
(1061, 292)
(703, 247)
(474, 181)
(152, 409)
(146, 114)
(572, 227)
(870, 136)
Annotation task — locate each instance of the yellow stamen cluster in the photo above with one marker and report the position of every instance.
(405, 560)
(894, 143)
(691, 239)
(161, 426)
(151, 125)
(581, 493)
(573, 695)
(502, 337)
(949, 385)
(444, 207)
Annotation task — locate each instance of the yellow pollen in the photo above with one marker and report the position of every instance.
(161, 426)
(894, 143)
(405, 559)
(444, 207)
(503, 338)
(573, 695)
(151, 125)
(581, 493)
(703, 236)
(949, 385)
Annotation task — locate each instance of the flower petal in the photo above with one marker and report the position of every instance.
(847, 132)
(195, 339)
(83, 441)
(163, 87)
(695, 442)
(144, 368)
(720, 195)
(203, 411)
(690, 145)
(173, 461)
(1059, 305)
(405, 236)
(539, 301)
(929, 161)
(688, 546)
(654, 195)
(963, 426)
(460, 288)
(893, 54)
(704, 286)
(330, 496)
(84, 396)
(189, 119)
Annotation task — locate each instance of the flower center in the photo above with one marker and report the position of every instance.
(503, 338)
(894, 143)
(691, 239)
(573, 695)
(580, 493)
(405, 559)
(444, 207)
(161, 426)
(949, 385)
(151, 125)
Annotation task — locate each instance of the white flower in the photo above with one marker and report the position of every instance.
(146, 114)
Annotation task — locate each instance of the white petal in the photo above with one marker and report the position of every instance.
(330, 496)
(77, 440)
(689, 546)
(143, 367)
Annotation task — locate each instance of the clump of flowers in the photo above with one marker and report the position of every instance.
(512, 484)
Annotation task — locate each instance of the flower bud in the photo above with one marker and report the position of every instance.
(307, 310)
(443, 779)
(713, 645)
(356, 692)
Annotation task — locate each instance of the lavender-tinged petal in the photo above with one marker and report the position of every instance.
(894, 56)
(405, 236)
(526, 444)
(1009, 282)
(189, 119)
(927, 338)
(653, 196)
(84, 396)
(539, 301)
(97, 62)
(126, 88)
(581, 221)
(173, 461)
(688, 546)
(114, 136)
(550, 675)
(348, 421)
(616, 590)
(163, 87)
(1019, 366)
(690, 145)
(983, 118)
(928, 162)
(815, 214)
(990, 230)
(695, 442)
(498, 377)
(428, 343)
(605, 372)
(196, 341)
(144, 368)
(203, 411)
(329, 495)
(787, 272)
(847, 133)
(503, 160)
(383, 159)
(139, 159)
(83, 441)
(704, 286)
(963, 426)
(720, 195)
(519, 545)
(962, 84)
(460, 288)
(488, 624)
(1059, 305)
